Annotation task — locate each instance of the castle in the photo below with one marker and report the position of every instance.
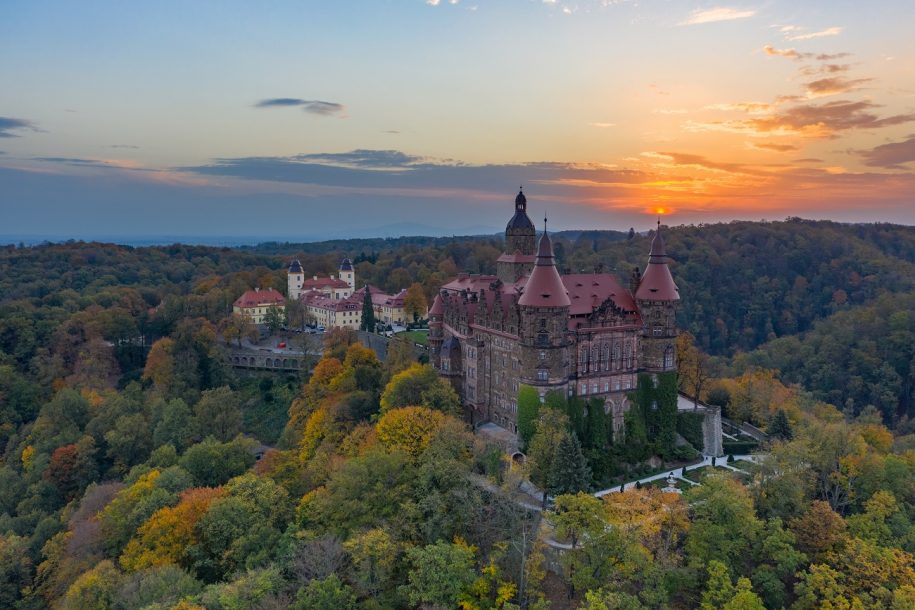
(335, 301)
(581, 334)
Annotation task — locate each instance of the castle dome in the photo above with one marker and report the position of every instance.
(520, 220)
(657, 284)
(295, 267)
(544, 287)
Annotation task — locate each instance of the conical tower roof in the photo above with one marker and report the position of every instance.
(657, 283)
(544, 287)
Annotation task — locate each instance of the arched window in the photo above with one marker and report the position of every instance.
(595, 359)
(606, 356)
(583, 358)
(616, 355)
(627, 355)
(669, 357)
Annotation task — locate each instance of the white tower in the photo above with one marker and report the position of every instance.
(294, 279)
(347, 274)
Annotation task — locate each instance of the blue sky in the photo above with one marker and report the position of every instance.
(309, 118)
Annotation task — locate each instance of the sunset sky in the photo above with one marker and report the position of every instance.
(310, 119)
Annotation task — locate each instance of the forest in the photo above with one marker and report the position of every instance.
(137, 470)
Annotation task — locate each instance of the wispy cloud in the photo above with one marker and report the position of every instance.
(809, 120)
(772, 146)
(834, 85)
(8, 125)
(313, 106)
(747, 107)
(714, 15)
(891, 156)
(602, 125)
(126, 146)
(833, 31)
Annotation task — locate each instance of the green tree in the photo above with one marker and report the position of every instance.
(368, 311)
(724, 524)
(551, 428)
(274, 318)
(326, 594)
(439, 574)
(744, 597)
(15, 568)
(212, 463)
(175, 425)
(218, 413)
(719, 589)
(780, 427)
(569, 472)
(528, 413)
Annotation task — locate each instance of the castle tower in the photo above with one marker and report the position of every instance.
(657, 296)
(436, 336)
(520, 235)
(348, 275)
(295, 276)
(544, 305)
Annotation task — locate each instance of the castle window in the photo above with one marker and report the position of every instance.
(616, 355)
(542, 356)
(669, 357)
(606, 386)
(606, 356)
(543, 339)
(543, 374)
(584, 389)
(595, 361)
(594, 389)
(657, 331)
(543, 323)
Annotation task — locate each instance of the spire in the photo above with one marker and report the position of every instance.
(521, 200)
(658, 253)
(544, 287)
(657, 284)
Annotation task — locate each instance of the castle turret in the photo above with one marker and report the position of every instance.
(544, 305)
(520, 236)
(657, 296)
(295, 276)
(347, 274)
(436, 336)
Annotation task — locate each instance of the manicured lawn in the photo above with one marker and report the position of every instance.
(416, 336)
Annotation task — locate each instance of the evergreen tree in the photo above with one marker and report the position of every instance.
(780, 427)
(368, 311)
(528, 413)
(274, 318)
(569, 472)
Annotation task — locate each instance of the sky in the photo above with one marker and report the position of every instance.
(285, 120)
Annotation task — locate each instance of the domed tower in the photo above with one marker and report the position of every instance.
(295, 275)
(544, 305)
(520, 233)
(657, 296)
(347, 274)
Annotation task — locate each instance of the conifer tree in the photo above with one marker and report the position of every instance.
(780, 427)
(368, 311)
(569, 472)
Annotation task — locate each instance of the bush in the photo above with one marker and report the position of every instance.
(739, 447)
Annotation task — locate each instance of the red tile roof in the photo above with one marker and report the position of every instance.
(657, 283)
(324, 282)
(544, 287)
(260, 298)
(588, 290)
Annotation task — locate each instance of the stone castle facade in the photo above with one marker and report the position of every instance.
(581, 334)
